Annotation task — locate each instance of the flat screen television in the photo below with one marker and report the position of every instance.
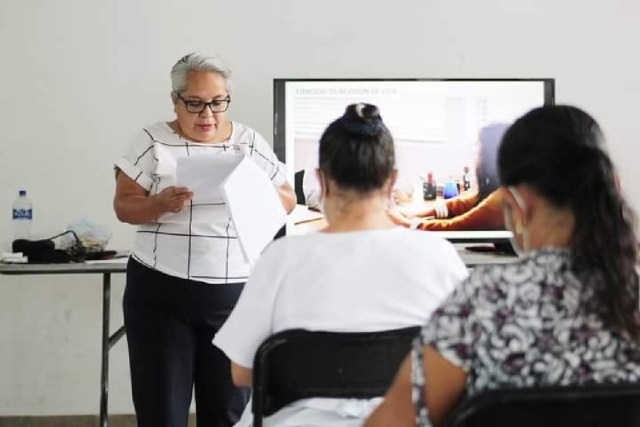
(436, 125)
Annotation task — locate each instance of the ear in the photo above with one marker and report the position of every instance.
(616, 177)
(394, 178)
(392, 182)
(322, 182)
(174, 100)
(518, 215)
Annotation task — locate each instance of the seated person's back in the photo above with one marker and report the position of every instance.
(566, 314)
(360, 274)
(358, 281)
(525, 324)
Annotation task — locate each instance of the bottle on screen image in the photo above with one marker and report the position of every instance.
(429, 188)
(466, 179)
(449, 190)
(22, 216)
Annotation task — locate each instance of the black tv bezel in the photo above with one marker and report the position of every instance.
(279, 118)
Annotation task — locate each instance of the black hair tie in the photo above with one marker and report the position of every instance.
(371, 127)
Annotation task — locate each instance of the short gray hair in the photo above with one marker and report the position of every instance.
(198, 62)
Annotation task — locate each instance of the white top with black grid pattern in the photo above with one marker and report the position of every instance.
(199, 243)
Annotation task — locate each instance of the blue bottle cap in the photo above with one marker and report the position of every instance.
(22, 192)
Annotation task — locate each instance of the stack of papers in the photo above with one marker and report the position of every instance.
(13, 258)
(302, 214)
(203, 175)
(250, 197)
(255, 207)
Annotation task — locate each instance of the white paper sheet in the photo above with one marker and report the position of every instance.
(302, 214)
(203, 175)
(255, 208)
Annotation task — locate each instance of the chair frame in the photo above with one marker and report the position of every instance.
(545, 401)
(340, 379)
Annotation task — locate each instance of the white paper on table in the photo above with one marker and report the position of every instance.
(203, 174)
(302, 214)
(254, 206)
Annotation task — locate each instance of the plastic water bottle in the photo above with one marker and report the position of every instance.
(22, 216)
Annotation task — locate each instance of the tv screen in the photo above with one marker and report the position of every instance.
(446, 134)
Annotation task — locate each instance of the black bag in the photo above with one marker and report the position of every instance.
(44, 252)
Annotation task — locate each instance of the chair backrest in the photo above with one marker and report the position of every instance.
(597, 405)
(298, 180)
(297, 364)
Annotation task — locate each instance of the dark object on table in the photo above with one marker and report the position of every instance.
(90, 256)
(40, 251)
(44, 251)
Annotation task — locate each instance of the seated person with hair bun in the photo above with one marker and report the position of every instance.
(362, 273)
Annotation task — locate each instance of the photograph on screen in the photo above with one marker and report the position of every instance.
(446, 137)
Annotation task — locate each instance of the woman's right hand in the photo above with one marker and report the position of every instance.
(173, 199)
(133, 204)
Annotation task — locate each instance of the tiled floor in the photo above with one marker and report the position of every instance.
(74, 421)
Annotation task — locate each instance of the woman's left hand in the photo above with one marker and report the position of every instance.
(398, 217)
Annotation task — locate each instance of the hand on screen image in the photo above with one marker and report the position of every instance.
(402, 197)
(397, 217)
(403, 218)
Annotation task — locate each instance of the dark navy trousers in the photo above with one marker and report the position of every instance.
(170, 323)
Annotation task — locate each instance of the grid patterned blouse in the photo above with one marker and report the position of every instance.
(523, 325)
(199, 243)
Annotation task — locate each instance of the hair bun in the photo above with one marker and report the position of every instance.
(362, 120)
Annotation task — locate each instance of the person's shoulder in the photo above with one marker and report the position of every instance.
(505, 277)
(244, 133)
(288, 246)
(154, 132)
(495, 198)
(156, 129)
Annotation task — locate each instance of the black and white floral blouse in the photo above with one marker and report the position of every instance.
(521, 325)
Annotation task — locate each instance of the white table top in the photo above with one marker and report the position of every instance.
(474, 259)
(109, 266)
(119, 265)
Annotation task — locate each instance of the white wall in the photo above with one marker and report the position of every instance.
(79, 77)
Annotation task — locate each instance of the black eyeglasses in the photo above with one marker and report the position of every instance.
(196, 106)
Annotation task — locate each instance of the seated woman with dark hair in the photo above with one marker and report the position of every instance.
(476, 210)
(567, 313)
(360, 274)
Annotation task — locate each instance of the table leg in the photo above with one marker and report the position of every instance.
(104, 374)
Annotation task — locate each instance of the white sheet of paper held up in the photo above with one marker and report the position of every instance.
(255, 208)
(204, 173)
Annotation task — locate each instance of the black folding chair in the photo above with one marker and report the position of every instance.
(298, 180)
(597, 405)
(298, 364)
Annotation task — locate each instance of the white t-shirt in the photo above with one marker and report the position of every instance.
(360, 281)
(199, 243)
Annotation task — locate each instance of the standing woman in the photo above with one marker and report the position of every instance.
(187, 270)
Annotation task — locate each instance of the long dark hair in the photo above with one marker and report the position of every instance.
(356, 150)
(487, 166)
(558, 151)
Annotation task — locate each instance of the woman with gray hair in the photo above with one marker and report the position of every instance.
(186, 271)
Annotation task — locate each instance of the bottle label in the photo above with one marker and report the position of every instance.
(23, 214)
